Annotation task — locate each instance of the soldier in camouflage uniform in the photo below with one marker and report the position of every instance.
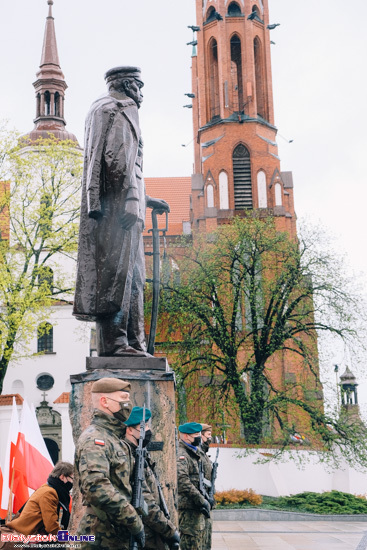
(105, 463)
(160, 532)
(193, 508)
(206, 439)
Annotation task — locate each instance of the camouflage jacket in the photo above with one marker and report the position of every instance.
(189, 496)
(207, 464)
(104, 463)
(155, 523)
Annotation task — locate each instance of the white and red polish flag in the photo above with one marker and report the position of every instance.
(19, 489)
(38, 463)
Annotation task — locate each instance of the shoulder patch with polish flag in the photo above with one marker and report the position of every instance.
(182, 457)
(99, 442)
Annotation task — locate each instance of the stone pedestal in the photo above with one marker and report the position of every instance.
(152, 383)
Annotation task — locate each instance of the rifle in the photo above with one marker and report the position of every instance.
(137, 498)
(163, 504)
(204, 483)
(214, 475)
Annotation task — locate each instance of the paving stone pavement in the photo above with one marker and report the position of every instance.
(289, 535)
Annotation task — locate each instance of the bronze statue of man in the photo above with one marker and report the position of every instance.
(111, 268)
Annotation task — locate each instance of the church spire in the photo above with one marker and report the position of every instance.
(50, 89)
(50, 55)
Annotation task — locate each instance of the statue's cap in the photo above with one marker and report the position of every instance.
(205, 427)
(109, 385)
(121, 72)
(136, 416)
(190, 428)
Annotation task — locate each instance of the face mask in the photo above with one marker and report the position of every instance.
(68, 486)
(124, 412)
(197, 441)
(147, 438)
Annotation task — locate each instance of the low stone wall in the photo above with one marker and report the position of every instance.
(287, 477)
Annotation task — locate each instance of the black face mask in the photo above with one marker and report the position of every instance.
(147, 438)
(124, 412)
(68, 486)
(197, 441)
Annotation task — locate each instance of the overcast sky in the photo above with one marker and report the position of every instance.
(319, 84)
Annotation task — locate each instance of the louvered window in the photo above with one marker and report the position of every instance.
(242, 178)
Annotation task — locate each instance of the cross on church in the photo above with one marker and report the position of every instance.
(44, 395)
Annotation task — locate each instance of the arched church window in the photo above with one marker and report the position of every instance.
(234, 9)
(57, 104)
(261, 189)
(259, 78)
(223, 191)
(278, 194)
(210, 15)
(236, 73)
(38, 107)
(18, 387)
(242, 178)
(45, 338)
(213, 79)
(47, 103)
(210, 196)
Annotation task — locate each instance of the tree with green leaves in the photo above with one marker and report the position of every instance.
(39, 220)
(248, 310)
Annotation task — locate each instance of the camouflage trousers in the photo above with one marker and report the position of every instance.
(106, 537)
(207, 542)
(192, 530)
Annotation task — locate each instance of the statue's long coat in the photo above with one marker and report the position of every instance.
(111, 173)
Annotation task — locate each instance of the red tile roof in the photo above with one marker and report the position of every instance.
(63, 398)
(7, 399)
(176, 191)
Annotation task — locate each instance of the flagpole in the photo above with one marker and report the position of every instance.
(10, 505)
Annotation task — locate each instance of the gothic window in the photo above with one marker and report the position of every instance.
(242, 178)
(259, 78)
(234, 9)
(210, 16)
(213, 79)
(236, 73)
(57, 104)
(261, 189)
(256, 9)
(210, 196)
(278, 194)
(38, 108)
(47, 103)
(223, 191)
(45, 338)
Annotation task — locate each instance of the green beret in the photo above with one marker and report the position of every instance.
(136, 416)
(109, 385)
(190, 428)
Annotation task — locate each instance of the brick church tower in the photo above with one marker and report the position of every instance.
(236, 166)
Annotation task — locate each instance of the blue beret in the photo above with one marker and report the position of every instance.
(190, 428)
(136, 416)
